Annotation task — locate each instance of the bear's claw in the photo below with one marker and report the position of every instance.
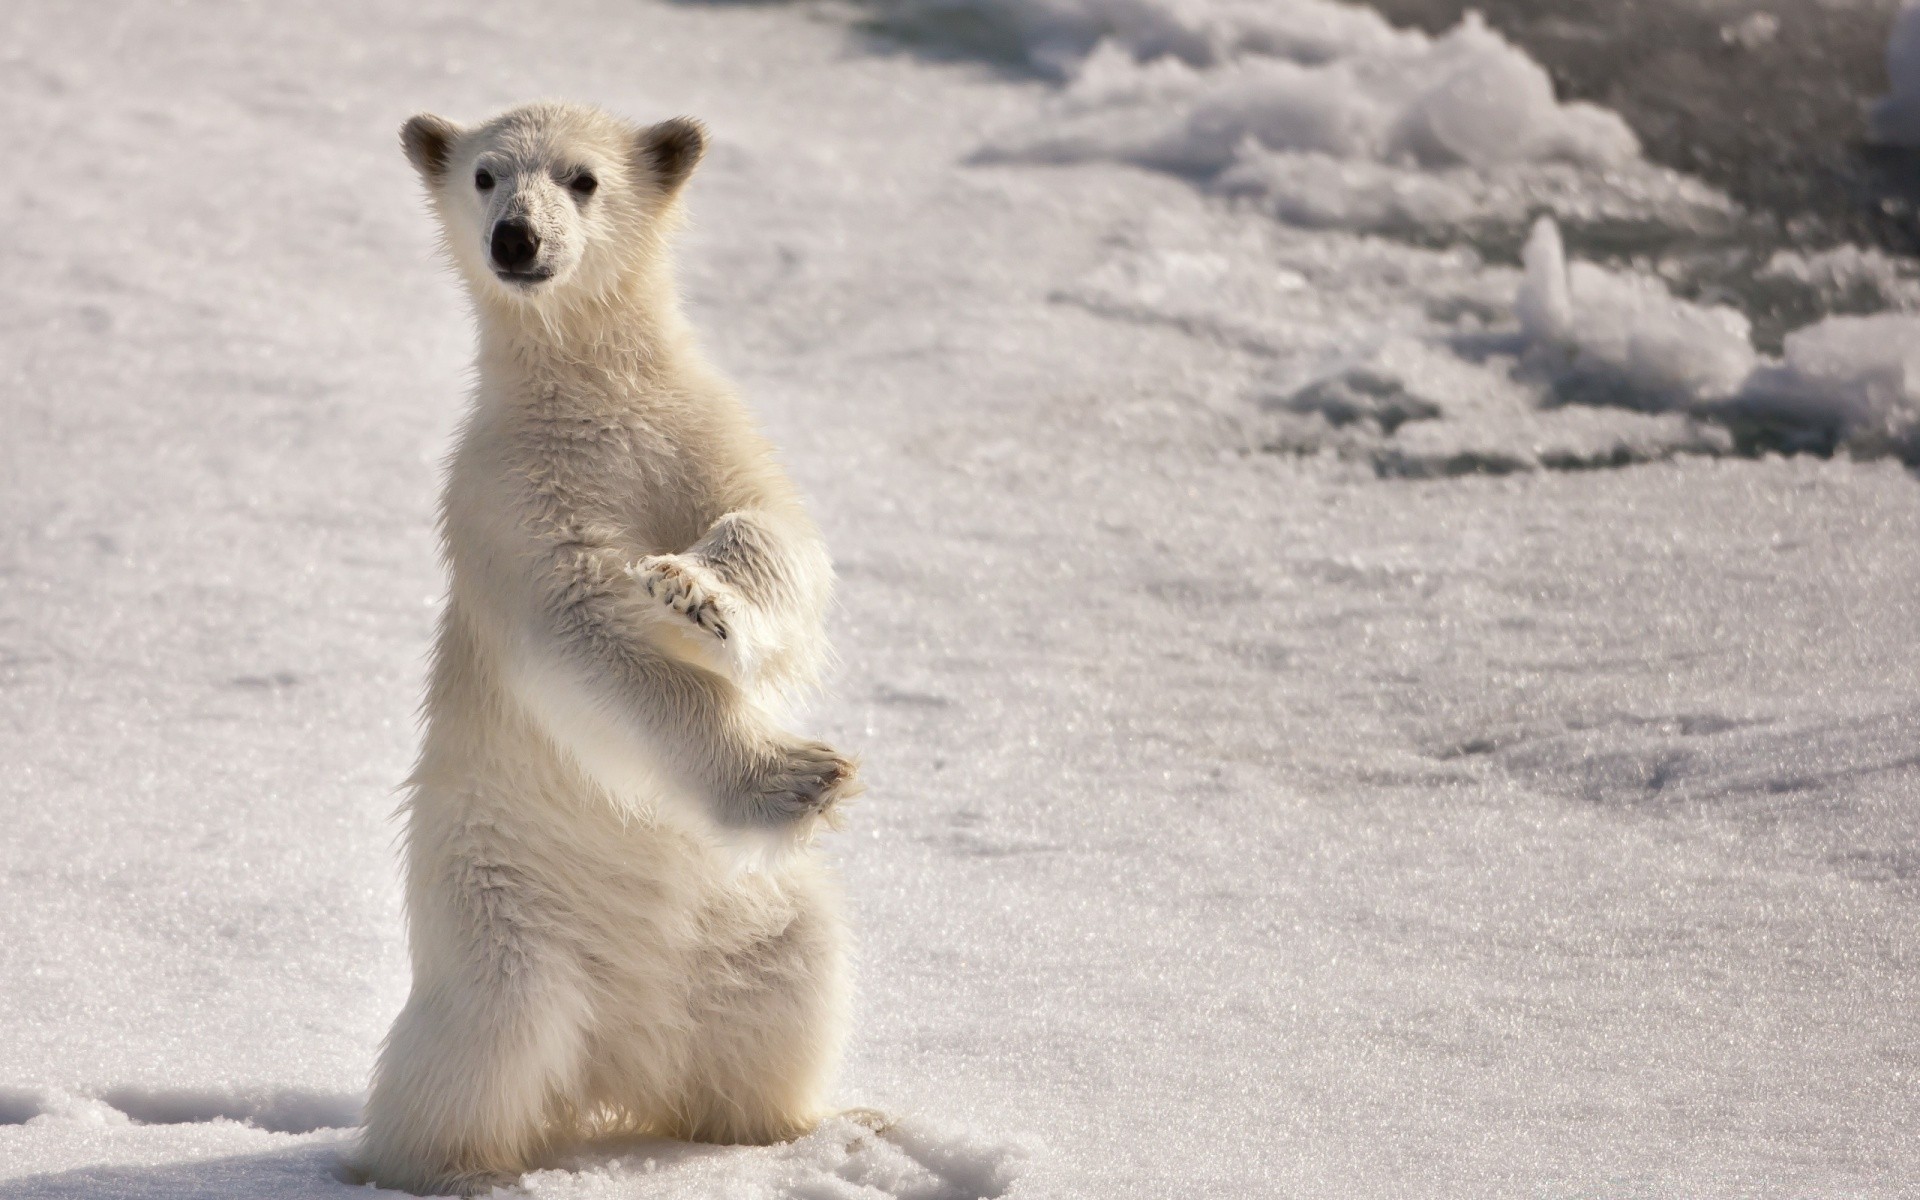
(809, 779)
(686, 589)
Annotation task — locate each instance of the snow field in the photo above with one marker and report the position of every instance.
(1240, 823)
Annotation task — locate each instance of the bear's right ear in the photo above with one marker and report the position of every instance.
(428, 141)
(673, 149)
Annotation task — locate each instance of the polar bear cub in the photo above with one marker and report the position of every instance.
(634, 589)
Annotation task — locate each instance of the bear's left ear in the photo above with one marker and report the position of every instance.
(428, 141)
(672, 149)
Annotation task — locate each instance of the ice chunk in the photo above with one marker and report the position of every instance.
(1612, 337)
(1895, 118)
(1621, 338)
(1846, 382)
(1482, 102)
(1545, 306)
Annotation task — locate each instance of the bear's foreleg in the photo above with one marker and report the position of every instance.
(615, 684)
(756, 584)
(690, 590)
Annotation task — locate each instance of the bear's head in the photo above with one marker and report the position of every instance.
(551, 200)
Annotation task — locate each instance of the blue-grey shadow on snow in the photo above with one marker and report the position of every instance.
(291, 1174)
(902, 1162)
(310, 1172)
(20, 1105)
(282, 1110)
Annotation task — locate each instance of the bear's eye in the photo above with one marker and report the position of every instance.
(483, 179)
(583, 184)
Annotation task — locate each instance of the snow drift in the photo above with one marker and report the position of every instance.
(1320, 114)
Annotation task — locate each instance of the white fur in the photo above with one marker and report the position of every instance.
(597, 759)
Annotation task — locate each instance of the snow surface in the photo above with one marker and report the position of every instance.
(1284, 780)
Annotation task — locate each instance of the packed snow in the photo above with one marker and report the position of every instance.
(1287, 774)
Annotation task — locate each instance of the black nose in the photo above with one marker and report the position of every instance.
(514, 245)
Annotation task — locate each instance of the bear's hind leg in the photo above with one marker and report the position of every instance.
(768, 1034)
(470, 1081)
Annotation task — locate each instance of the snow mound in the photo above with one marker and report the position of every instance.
(1324, 115)
(841, 1160)
(1895, 118)
(1415, 412)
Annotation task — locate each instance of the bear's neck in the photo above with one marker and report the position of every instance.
(633, 334)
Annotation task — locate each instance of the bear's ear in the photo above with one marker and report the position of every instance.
(428, 141)
(672, 149)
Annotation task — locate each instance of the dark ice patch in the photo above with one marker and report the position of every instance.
(1354, 396)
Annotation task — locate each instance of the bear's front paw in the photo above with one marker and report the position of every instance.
(805, 779)
(687, 590)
